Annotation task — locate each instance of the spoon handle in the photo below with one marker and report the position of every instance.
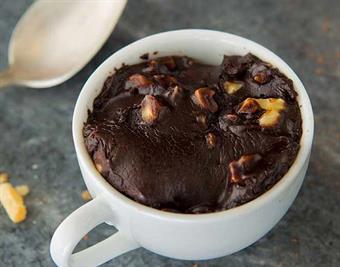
(6, 77)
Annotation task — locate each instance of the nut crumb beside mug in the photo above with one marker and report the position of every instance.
(175, 235)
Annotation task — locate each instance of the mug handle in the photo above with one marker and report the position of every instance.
(76, 226)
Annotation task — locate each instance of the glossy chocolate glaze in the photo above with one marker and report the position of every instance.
(202, 152)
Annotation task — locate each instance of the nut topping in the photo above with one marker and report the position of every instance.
(176, 93)
(86, 196)
(232, 87)
(204, 99)
(272, 107)
(23, 190)
(239, 169)
(3, 177)
(271, 103)
(202, 120)
(137, 80)
(249, 106)
(269, 118)
(99, 167)
(261, 78)
(211, 140)
(261, 74)
(150, 109)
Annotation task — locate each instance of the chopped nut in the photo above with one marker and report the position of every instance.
(85, 195)
(235, 176)
(3, 177)
(211, 140)
(177, 91)
(271, 103)
(249, 106)
(150, 109)
(232, 87)
(272, 106)
(249, 161)
(261, 78)
(99, 167)
(239, 169)
(137, 80)
(204, 99)
(13, 203)
(261, 74)
(202, 120)
(269, 118)
(23, 190)
(175, 94)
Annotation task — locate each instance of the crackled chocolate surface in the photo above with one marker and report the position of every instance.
(178, 135)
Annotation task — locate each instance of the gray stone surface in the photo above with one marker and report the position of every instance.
(36, 146)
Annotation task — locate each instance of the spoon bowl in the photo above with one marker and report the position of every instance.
(55, 39)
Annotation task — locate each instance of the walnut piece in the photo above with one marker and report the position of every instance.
(271, 103)
(211, 140)
(23, 190)
(261, 78)
(202, 120)
(150, 108)
(3, 177)
(176, 94)
(204, 97)
(138, 80)
(261, 74)
(232, 87)
(99, 167)
(272, 107)
(239, 169)
(249, 106)
(13, 203)
(269, 118)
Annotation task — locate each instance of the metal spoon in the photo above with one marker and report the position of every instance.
(55, 39)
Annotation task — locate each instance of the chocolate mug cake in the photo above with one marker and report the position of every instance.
(182, 136)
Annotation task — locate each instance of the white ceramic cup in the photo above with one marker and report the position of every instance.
(181, 236)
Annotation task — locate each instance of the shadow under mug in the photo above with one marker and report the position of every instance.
(181, 236)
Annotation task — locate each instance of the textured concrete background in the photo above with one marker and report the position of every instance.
(36, 146)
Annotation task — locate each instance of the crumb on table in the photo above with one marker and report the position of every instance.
(13, 203)
(85, 195)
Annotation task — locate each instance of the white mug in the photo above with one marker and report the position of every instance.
(180, 236)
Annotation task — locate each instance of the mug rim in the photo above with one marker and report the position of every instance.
(305, 141)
